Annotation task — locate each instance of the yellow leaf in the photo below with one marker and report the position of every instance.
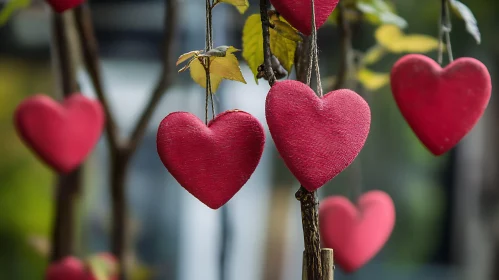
(392, 39)
(416, 44)
(241, 5)
(372, 80)
(186, 56)
(198, 74)
(286, 30)
(373, 55)
(227, 68)
(253, 43)
(387, 34)
(282, 48)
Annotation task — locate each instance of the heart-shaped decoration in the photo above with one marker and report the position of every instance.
(67, 268)
(62, 5)
(440, 105)
(356, 234)
(71, 268)
(316, 137)
(62, 135)
(211, 162)
(299, 12)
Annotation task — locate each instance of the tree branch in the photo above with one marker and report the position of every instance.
(68, 185)
(166, 78)
(267, 54)
(345, 49)
(310, 222)
(89, 45)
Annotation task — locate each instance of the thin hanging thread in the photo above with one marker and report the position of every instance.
(314, 54)
(445, 27)
(208, 46)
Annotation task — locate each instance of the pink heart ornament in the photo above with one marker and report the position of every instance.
(299, 12)
(60, 6)
(61, 135)
(211, 162)
(316, 137)
(356, 234)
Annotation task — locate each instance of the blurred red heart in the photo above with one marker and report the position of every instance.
(62, 135)
(68, 268)
(299, 12)
(440, 105)
(62, 5)
(316, 137)
(211, 162)
(356, 234)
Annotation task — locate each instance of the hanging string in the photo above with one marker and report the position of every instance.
(445, 27)
(314, 54)
(208, 46)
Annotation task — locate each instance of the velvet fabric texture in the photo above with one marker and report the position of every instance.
(316, 137)
(61, 135)
(299, 12)
(211, 162)
(356, 234)
(60, 6)
(440, 105)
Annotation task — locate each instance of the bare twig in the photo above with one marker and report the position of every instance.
(166, 77)
(68, 185)
(310, 222)
(267, 54)
(121, 151)
(88, 42)
(345, 49)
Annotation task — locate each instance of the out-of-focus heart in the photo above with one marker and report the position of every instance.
(62, 5)
(211, 162)
(316, 137)
(440, 105)
(62, 135)
(356, 234)
(299, 12)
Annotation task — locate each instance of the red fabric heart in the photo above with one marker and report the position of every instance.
(440, 105)
(66, 269)
(62, 5)
(299, 12)
(211, 162)
(62, 135)
(356, 234)
(316, 137)
(71, 268)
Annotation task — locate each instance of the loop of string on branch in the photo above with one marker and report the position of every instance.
(314, 55)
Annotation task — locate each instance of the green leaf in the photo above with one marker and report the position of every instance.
(241, 5)
(372, 80)
(379, 12)
(463, 12)
(10, 8)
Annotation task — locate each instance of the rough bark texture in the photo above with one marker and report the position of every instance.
(327, 265)
(310, 222)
